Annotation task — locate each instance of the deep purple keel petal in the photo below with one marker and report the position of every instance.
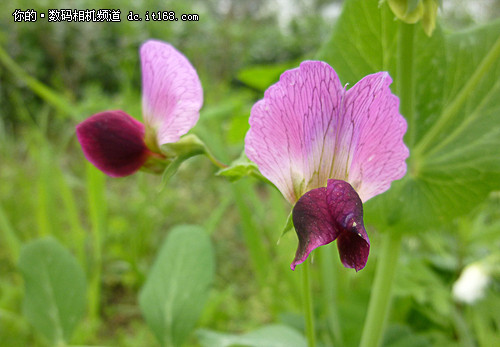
(114, 142)
(347, 211)
(313, 223)
(325, 214)
(354, 248)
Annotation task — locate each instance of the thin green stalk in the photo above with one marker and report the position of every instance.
(378, 309)
(308, 305)
(329, 290)
(406, 77)
(214, 160)
(97, 212)
(43, 184)
(453, 107)
(253, 239)
(78, 235)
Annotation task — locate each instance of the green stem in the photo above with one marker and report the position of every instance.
(97, 212)
(406, 76)
(454, 107)
(331, 286)
(308, 306)
(378, 309)
(380, 298)
(242, 192)
(214, 160)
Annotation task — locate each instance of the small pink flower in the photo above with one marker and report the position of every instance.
(172, 96)
(328, 149)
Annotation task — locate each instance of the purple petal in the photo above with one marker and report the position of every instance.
(379, 154)
(114, 142)
(347, 211)
(313, 223)
(293, 130)
(323, 215)
(171, 91)
(308, 129)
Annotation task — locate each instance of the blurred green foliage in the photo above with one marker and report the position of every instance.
(114, 227)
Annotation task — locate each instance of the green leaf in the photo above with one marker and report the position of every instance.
(454, 162)
(262, 76)
(363, 41)
(454, 132)
(269, 336)
(177, 288)
(55, 285)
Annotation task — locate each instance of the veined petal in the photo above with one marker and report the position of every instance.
(330, 213)
(171, 91)
(378, 153)
(294, 129)
(114, 142)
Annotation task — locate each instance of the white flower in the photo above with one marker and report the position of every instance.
(471, 284)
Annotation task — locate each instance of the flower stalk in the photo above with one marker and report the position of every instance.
(378, 309)
(380, 299)
(308, 305)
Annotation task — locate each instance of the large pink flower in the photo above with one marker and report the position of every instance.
(172, 96)
(328, 150)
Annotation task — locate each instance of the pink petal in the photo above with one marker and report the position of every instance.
(171, 91)
(308, 129)
(378, 155)
(114, 142)
(293, 130)
(323, 215)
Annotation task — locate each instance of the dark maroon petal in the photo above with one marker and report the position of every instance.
(347, 211)
(114, 142)
(323, 215)
(354, 248)
(313, 223)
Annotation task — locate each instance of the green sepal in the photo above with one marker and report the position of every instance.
(187, 145)
(288, 225)
(171, 169)
(156, 164)
(240, 168)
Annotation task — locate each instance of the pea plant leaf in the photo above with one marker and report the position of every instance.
(363, 41)
(178, 285)
(55, 285)
(454, 133)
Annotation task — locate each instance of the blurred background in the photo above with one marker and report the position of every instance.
(54, 75)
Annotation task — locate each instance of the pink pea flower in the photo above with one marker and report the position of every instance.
(328, 150)
(172, 96)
